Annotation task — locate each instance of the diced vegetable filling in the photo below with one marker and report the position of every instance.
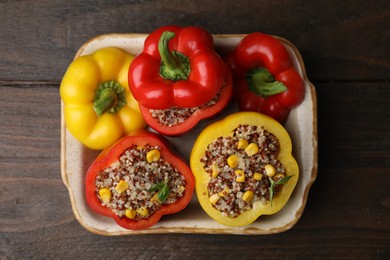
(244, 169)
(177, 115)
(140, 183)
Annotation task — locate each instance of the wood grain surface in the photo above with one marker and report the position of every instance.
(345, 46)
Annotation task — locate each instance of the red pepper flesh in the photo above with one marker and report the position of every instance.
(265, 52)
(111, 155)
(160, 77)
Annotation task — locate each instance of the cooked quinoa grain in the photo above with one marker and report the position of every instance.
(177, 115)
(132, 187)
(240, 168)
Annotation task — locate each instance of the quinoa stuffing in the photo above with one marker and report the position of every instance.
(139, 184)
(244, 169)
(177, 115)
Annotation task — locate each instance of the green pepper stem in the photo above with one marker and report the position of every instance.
(174, 65)
(110, 97)
(262, 83)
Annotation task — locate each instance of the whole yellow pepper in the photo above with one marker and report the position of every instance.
(98, 105)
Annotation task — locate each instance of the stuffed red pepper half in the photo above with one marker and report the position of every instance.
(179, 79)
(138, 180)
(264, 77)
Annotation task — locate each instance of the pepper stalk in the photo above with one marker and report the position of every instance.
(262, 83)
(110, 97)
(174, 65)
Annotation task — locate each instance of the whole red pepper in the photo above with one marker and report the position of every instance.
(264, 77)
(177, 67)
(110, 157)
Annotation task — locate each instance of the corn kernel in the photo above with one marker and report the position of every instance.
(240, 176)
(153, 156)
(214, 198)
(121, 186)
(224, 192)
(155, 199)
(233, 160)
(242, 144)
(105, 194)
(257, 176)
(248, 196)
(143, 211)
(215, 171)
(130, 213)
(252, 149)
(269, 170)
(181, 189)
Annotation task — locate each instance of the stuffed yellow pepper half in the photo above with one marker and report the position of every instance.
(243, 168)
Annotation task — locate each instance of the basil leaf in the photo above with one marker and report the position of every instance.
(164, 193)
(157, 186)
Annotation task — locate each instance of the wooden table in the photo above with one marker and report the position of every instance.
(345, 46)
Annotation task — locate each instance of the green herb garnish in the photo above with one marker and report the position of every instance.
(274, 183)
(163, 190)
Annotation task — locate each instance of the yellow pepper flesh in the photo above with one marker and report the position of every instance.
(78, 89)
(224, 127)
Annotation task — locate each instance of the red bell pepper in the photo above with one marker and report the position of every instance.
(178, 67)
(264, 77)
(109, 158)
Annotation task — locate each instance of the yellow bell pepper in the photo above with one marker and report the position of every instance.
(280, 185)
(98, 105)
